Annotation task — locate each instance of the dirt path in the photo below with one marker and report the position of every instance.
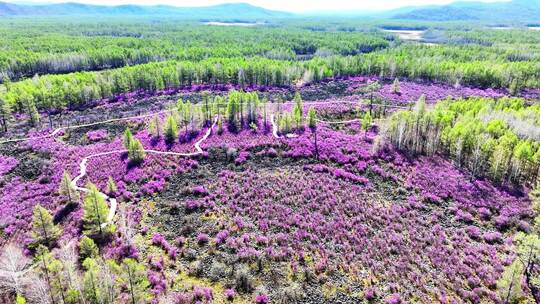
(274, 126)
(112, 201)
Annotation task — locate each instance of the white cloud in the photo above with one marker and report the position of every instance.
(285, 5)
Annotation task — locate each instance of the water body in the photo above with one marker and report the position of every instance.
(407, 35)
(243, 24)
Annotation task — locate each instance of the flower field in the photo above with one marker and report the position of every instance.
(310, 214)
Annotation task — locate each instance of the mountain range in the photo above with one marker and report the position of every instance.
(503, 12)
(515, 11)
(222, 11)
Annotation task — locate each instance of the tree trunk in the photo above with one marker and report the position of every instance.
(316, 145)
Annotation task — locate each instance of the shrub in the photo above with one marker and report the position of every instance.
(229, 294)
(261, 299)
(291, 294)
(217, 271)
(87, 248)
(243, 279)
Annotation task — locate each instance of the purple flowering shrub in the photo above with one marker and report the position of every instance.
(96, 135)
(406, 225)
(299, 210)
(7, 164)
(411, 92)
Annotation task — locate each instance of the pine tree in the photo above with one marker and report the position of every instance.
(92, 290)
(154, 128)
(128, 138)
(44, 231)
(133, 275)
(509, 286)
(298, 111)
(111, 186)
(30, 108)
(528, 252)
(68, 190)
(312, 118)
(367, 121)
(206, 108)
(4, 114)
(51, 268)
(421, 105)
(136, 152)
(95, 213)
(312, 123)
(265, 102)
(233, 108)
(87, 248)
(171, 129)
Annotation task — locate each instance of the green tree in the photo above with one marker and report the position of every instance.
(87, 248)
(133, 275)
(5, 111)
(312, 118)
(534, 196)
(233, 108)
(523, 154)
(298, 111)
(154, 127)
(524, 269)
(370, 89)
(128, 138)
(136, 152)
(312, 123)
(91, 282)
(99, 281)
(51, 268)
(171, 129)
(509, 286)
(421, 106)
(27, 102)
(111, 186)
(68, 190)
(367, 121)
(95, 214)
(44, 231)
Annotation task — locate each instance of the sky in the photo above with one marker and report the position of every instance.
(283, 5)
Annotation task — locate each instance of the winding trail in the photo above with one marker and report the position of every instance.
(57, 130)
(346, 121)
(112, 201)
(274, 126)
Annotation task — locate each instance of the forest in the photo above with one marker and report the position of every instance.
(164, 160)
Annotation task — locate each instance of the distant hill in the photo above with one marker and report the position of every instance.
(513, 11)
(231, 11)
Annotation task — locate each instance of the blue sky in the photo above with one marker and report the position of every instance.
(285, 5)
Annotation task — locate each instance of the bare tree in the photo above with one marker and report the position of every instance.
(125, 226)
(14, 267)
(17, 276)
